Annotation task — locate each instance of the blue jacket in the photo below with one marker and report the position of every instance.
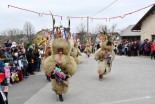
(2, 67)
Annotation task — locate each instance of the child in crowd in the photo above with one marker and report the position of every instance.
(20, 67)
(15, 57)
(15, 76)
(7, 73)
(12, 71)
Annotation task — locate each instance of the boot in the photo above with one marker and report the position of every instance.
(100, 76)
(61, 98)
(49, 79)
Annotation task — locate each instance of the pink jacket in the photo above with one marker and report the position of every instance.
(60, 74)
(7, 72)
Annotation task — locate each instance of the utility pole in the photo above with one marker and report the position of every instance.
(87, 25)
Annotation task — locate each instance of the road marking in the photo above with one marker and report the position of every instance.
(129, 100)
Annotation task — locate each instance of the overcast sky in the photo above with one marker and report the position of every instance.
(14, 18)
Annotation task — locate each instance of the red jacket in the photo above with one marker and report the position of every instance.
(153, 47)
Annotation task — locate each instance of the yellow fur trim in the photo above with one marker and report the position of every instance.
(104, 46)
(49, 65)
(59, 88)
(61, 44)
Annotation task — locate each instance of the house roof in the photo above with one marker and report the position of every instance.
(129, 32)
(138, 25)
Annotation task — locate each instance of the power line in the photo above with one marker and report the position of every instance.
(104, 8)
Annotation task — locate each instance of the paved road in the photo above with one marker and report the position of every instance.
(131, 81)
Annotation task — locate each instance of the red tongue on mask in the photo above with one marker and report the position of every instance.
(60, 58)
(105, 56)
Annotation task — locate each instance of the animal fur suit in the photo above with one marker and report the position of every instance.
(68, 64)
(103, 67)
(88, 49)
(76, 52)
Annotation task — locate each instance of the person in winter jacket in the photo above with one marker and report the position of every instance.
(4, 90)
(129, 49)
(135, 48)
(148, 48)
(141, 48)
(25, 66)
(15, 57)
(20, 67)
(153, 50)
(8, 55)
(8, 44)
(120, 48)
(36, 60)
(2, 58)
(30, 59)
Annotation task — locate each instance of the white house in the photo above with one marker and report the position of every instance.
(147, 25)
(130, 35)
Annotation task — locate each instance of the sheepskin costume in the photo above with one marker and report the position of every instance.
(67, 65)
(75, 52)
(88, 49)
(102, 55)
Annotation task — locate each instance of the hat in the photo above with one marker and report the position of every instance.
(2, 76)
(14, 44)
(7, 65)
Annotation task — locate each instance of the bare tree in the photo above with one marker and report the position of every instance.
(113, 28)
(29, 31)
(81, 30)
(11, 34)
(102, 29)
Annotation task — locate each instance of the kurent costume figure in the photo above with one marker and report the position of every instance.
(88, 49)
(105, 55)
(75, 52)
(61, 66)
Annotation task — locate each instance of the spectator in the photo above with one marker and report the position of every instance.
(120, 48)
(98, 46)
(36, 60)
(8, 55)
(3, 83)
(115, 49)
(2, 58)
(148, 48)
(30, 59)
(40, 57)
(129, 49)
(153, 50)
(20, 67)
(7, 73)
(8, 43)
(15, 57)
(126, 48)
(135, 48)
(25, 66)
(141, 48)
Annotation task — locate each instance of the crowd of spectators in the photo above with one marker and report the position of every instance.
(145, 48)
(17, 62)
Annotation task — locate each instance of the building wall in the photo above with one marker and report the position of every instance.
(148, 27)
